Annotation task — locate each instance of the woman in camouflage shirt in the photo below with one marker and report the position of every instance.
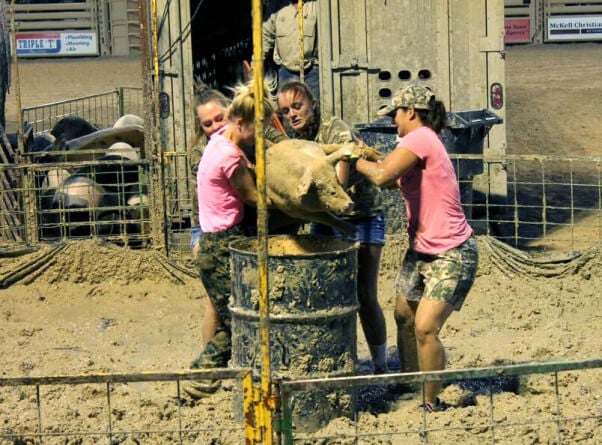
(298, 106)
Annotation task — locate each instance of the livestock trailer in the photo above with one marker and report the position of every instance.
(367, 50)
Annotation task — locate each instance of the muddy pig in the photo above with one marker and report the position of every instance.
(301, 182)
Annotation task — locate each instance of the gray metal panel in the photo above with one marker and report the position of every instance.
(370, 48)
(408, 39)
(363, 42)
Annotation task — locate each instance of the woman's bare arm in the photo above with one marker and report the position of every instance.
(386, 172)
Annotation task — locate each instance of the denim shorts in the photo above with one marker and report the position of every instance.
(370, 230)
(195, 236)
(445, 277)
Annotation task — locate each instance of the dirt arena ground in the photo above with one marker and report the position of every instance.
(99, 308)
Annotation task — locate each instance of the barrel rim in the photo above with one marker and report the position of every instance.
(352, 245)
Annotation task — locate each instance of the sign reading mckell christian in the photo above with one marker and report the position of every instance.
(575, 28)
(61, 43)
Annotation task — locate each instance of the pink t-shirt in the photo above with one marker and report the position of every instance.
(436, 221)
(220, 206)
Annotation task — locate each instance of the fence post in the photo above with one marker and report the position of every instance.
(540, 22)
(121, 101)
(29, 204)
(152, 148)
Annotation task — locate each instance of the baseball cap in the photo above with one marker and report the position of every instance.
(417, 96)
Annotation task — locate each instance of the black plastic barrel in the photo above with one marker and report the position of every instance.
(465, 134)
(313, 308)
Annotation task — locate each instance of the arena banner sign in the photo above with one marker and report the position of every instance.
(575, 28)
(59, 43)
(517, 30)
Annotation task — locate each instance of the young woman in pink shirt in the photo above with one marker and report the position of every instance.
(440, 265)
(225, 184)
(211, 112)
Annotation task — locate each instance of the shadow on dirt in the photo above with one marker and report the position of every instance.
(379, 399)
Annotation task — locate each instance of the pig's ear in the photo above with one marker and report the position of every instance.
(305, 184)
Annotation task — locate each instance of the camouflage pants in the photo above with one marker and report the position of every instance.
(214, 268)
(446, 277)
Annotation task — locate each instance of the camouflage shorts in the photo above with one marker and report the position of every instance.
(214, 268)
(445, 277)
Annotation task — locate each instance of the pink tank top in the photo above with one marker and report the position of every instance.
(436, 221)
(220, 206)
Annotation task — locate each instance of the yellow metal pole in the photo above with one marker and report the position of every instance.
(266, 404)
(250, 397)
(152, 137)
(155, 50)
(301, 42)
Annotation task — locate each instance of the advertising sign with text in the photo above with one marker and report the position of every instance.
(517, 30)
(59, 43)
(575, 28)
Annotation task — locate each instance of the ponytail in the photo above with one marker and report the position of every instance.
(243, 104)
(436, 117)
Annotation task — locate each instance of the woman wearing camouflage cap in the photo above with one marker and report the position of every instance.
(440, 265)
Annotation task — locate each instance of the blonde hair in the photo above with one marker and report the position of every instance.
(243, 104)
(203, 95)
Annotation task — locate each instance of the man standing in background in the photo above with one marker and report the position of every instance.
(281, 36)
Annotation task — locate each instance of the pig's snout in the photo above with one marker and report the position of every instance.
(340, 204)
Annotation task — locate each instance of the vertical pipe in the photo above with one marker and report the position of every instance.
(558, 416)
(266, 403)
(17, 83)
(301, 42)
(109, 420)
(152, 151)
(249, 409)
(286, 422)
(25, 179)
(39, 411)
(121, 102)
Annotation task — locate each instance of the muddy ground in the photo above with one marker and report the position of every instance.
(101, 309)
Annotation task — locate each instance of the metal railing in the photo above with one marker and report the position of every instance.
(543, 203)
(485, 389)
(549, 203)
(30, 405)
(552, 202)
(105, 199)
(41, 409)
(102, 109)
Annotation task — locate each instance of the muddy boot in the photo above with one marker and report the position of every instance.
(216, 354)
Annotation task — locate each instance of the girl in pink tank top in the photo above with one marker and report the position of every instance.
(441, 262)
